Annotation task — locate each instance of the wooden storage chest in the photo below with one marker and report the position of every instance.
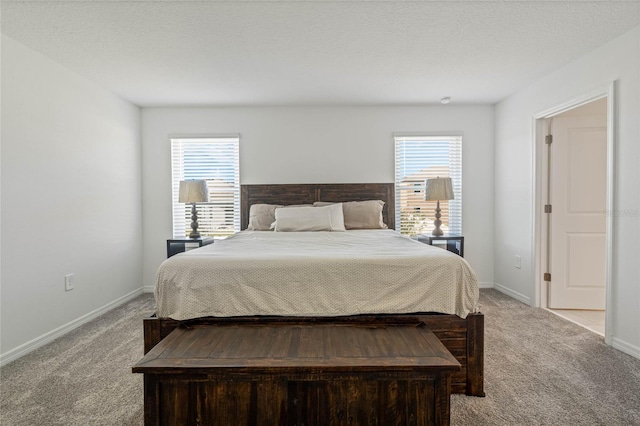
(291, 374)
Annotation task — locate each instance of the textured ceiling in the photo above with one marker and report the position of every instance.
(157, 53)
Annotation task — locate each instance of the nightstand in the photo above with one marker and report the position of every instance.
(454, 242)
(179, 245)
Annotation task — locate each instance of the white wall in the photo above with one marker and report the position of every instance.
(320, 145)
(71, 198)
(619, 60)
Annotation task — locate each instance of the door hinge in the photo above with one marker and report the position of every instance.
(548, 139)
(547, 208)
(547, 276)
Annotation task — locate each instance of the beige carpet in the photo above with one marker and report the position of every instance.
(540, 370)
(543, 370)
(82, 378)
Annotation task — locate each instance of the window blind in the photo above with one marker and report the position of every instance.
(417, 159)
(216, 160)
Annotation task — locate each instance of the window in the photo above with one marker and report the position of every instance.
(216, 160)
(417, 159)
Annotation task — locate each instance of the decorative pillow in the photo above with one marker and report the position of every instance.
(261, 216)
(329, 218)
(361, 214)
(336, 213)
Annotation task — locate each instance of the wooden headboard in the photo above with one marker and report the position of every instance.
(310, 192)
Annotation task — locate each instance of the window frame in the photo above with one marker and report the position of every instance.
(452, 210)
(181, 212)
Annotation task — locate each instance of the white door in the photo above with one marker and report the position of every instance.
(578, 175)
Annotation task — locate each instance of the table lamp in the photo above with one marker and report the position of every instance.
(435, 190)
(193, 191)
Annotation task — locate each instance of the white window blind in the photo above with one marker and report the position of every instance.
(417, 159)
(216, 160)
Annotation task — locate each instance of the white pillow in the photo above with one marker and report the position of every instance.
(329, 218)
(337, 216)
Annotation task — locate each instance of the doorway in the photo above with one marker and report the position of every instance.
(574, 166)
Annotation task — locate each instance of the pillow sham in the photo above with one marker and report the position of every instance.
(361, 214)
(299, 219)
(261, 216)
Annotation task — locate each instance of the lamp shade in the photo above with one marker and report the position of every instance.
(193, 191)
(438, 189)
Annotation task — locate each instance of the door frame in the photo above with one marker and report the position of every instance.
(539, 193)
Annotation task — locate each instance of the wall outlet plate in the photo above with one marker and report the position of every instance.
(68, 282)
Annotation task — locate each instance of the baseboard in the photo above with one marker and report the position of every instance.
(148, 289)
(625, 347)
(514, 294)
(31, 345)
(485, 285)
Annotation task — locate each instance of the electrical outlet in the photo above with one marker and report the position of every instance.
(518, 262)
(68, 282)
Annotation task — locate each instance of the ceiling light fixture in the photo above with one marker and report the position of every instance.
(445, 100)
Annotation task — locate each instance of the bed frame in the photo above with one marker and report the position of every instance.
(464, 338)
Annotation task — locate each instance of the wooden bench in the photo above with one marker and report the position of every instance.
(321, 374)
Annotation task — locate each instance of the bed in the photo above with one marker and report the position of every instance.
(184, 297)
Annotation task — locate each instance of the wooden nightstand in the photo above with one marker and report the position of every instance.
(454, 242)
(179, 245)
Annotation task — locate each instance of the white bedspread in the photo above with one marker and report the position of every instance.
(315, 274)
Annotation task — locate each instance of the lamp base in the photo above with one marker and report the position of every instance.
(436, 223)
(194, 222)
